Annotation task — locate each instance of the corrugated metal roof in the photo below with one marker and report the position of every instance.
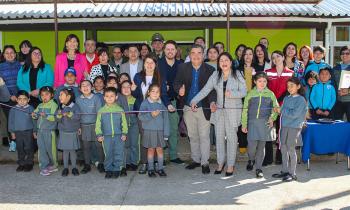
(326, 8)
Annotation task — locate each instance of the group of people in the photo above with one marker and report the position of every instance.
(121, 112)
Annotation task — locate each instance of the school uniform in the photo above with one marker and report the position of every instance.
(293, 114)
(21, 123)
(132, 143)
(89, 106)
(257, 110)
(46, 140)
(75, 88)
(111, 124)
(323, 96)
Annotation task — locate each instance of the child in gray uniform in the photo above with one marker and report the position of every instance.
(293, 114)
(68, 117)
(155, 126)
(21, 127)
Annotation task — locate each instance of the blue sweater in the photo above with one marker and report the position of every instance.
(75, 88)
(90, 105)
(70, 123)
(323, 96)
(293, 111)
(313, 66)
(20, 120)
(9, 72)
(44, 78)
(4, 94)
(159, 123)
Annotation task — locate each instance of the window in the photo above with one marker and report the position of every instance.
(319, 35)
(342, 33)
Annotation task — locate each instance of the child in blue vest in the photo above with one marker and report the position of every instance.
(293, 113)
(323, 96)
(155, 125)
(70, 77)
(21, 127)
(46, 135)
(89, 104)
(68, 117)
(111, 130)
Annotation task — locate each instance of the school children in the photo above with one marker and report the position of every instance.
(89, 104)
(68, 118)
(21, 127)
(70, 77)
(111, 130)
(46, 136)
(155, 125)
(293, 114)
(257, 120)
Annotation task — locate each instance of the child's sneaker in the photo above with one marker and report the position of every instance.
(12, 147)
(45, 172)
(52, 169)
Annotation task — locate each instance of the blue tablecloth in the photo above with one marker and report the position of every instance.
(322, 139)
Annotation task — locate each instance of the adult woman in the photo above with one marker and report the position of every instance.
(292, 62)
(142, 81)
(212, 57)
(246, 67)
(278, 76)
(262, 60)
(230, 88)
(220, 46)
(70, 57)
(144, 50)
(306, 55)
(103, 68)
(34, 74)
(238, 53)
(24, 49)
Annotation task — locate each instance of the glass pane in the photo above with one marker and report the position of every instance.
(336, 55)
(342, 33)
(319, 35)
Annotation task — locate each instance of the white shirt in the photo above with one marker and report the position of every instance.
(133, 70)
(144, 86)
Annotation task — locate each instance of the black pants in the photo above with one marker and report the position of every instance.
(340, 109)
(242, 138)
(24, 146)
(269, 147)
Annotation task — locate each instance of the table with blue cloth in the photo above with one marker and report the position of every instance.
(321, 139)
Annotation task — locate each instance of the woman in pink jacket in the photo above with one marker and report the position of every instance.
(70, 57)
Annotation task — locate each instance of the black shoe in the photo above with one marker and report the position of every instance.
(28, 168)
(75, 172)
(127, 166)
(108, 175)
(289, 178)
(177, 161)
(65, 172)
(280, 175)
(133, 167)
(116, 174)
(123, 172)
(161, 173)
(219, 171)
(250, 165)
(20, 168)
(101, 168)
(143, 169)
(259, 173)
(205, 169)
(151, 173)
(193, 165)
(86, 169)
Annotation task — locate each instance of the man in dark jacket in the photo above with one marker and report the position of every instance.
(190, 79)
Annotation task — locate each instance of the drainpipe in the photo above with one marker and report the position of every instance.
(327, 41)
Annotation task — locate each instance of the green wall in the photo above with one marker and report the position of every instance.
(145, 36)
(278, 38)
(45, 40)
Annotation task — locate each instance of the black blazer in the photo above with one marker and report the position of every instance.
(184, 77)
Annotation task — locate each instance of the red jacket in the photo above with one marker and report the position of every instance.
(278, 84)
(94, 62)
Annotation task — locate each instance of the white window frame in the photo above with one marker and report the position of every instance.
(335, 43)
(314, 42)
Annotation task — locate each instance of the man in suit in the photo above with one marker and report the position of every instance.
(134, 65)
(191, 77)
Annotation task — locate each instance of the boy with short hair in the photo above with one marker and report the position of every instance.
(21, 127)
(318, 63)
(111, 130)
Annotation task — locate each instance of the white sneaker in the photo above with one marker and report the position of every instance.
(12, 146)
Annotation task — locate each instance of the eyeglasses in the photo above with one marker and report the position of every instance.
(345, 53)
(36, 53)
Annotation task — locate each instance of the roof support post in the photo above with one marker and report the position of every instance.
(56, 27)
(228, 9)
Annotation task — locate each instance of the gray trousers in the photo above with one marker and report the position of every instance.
(198, 132)
(256, 152)
(47, 152)
(288, 141)
(132, 146)
(88, 147)
(73, 158)
(24, 146)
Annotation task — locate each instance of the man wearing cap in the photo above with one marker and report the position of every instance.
(70, 77)
(157, 45)
(134, 65)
